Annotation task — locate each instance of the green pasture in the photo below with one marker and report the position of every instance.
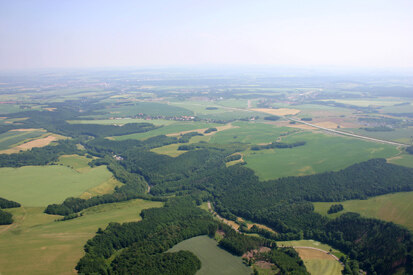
(36, 244)
(323, 266)
(321, 153)
(249, 132)
(235, 103)
(397, 208)
(170, 150)
(79, 163)
(43, 185)
(11, 138)
(122, 121)
(169, 129)
(403, 160)
(403, 135)
(214, 259)
(148, 108)
(223, 111)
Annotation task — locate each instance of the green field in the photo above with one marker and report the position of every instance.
(43, 185)
(403, 159)
(169, 129)
(11, 138)
(122, 121)
(250, 132)
(214, 259)
(36, 244)
(148, 108)
(323, 266)
(397, 208)
(402, 135)
(321, 153)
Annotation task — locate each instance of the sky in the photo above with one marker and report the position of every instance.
(92, 34)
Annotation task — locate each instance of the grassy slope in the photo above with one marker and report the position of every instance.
(42, 185)
(214, 259)
(403, 159)
(36, 244)
(397, 208)
(246, 132)
(321, 153)
(323, 266)
(169, 129)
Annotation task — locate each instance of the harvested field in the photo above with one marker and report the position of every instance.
(327, 124)
(311, 254)
(278, 112)
(41, 142)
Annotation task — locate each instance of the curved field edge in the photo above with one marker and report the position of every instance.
(43, 185)
(214, 259)
(397, 208)
(50, 247)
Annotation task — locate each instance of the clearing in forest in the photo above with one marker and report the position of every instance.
(214, 259)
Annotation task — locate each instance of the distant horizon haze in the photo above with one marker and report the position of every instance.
(46, 34)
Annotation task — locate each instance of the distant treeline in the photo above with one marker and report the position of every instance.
(378, 129)
(279, 145)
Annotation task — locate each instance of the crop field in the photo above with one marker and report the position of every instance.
(223, 111)
(248, 132)
(11, 138)
(321, 153)
(311, 243)
(214, 259)
(402, 135)
(50, 247)
(148, 108)
(169, 129)
(397, 208)
(43, 185)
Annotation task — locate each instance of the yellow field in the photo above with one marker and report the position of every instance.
(278, 112)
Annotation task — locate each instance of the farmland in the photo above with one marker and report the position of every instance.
(13, 138)
(320, 154)
(397, 208)
(50, 247)
(28, 185)
(214, 260)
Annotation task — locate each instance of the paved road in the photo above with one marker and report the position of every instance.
(348, 134)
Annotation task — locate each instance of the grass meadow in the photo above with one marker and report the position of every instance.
(36, 244)
(248, 132)
(397, 208)
(169, 129)
(214, 259)
(321, 153)
(43, 185)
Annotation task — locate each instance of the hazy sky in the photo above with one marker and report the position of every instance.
(71, 33)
